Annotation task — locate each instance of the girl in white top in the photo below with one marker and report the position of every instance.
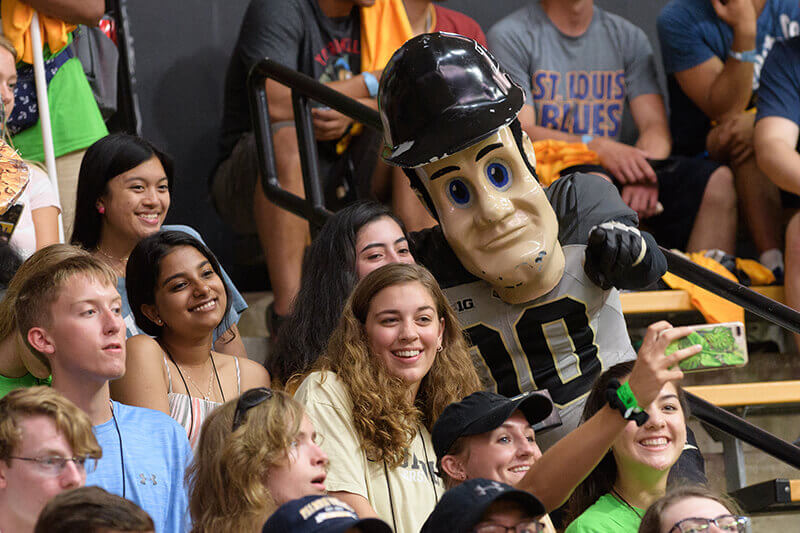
(177, 296)
(397, 358)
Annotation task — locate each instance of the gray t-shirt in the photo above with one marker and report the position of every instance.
(578, 85)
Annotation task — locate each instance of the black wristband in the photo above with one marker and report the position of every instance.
(628, 413)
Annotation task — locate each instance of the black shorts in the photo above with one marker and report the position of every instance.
(682, 182)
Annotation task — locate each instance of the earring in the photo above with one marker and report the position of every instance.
(101, 209)
(159, 322)
(462, 477)
(439, 349)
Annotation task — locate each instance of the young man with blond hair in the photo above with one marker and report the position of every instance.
(69, 314)
(46, 447)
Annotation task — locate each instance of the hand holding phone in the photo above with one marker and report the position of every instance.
(724, 346)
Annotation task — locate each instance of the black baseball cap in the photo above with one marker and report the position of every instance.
(462, 506)
(320, 514)
(484, 411)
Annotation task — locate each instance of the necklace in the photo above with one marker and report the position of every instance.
(209, 392)
(120, 261)
(121, 455)
(618, 496)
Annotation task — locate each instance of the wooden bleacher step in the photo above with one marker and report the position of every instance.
(773, 496)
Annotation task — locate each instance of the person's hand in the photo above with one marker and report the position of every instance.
(738, 14)
(628, 164)
(732, 139)
(612, 249)
(329, 124)
(642, 198)
(653, 368)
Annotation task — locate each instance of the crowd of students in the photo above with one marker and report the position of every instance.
(129, 403)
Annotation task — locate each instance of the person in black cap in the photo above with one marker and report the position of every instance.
(485, 506)
(486, 435)
(321, 514)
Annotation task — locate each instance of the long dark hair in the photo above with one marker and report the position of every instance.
(601, 480)
(328, 277)
(144, 267)
(104, 160)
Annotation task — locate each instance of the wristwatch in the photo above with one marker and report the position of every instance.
(748, 56)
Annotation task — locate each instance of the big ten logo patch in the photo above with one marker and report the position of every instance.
(418, 470)
(580, 102)
(465, 304)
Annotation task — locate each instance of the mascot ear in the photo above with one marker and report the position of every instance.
(527, 149)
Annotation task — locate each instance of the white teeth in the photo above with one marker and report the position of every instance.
(661, 441)
(524, 468)
(205, 307)
(406, 353)
(150, 216)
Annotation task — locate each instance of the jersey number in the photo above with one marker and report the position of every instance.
(559, 346)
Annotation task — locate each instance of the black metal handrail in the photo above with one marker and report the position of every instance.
(313, 209)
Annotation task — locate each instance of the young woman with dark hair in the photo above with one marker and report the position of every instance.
(633, 474)
(397, 358)
(123, 196)
(177, 296)
(352, 243)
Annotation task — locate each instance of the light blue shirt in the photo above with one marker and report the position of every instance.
(155, 454)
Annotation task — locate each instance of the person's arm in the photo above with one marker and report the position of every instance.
(650, 117)
(88, 12)
(721, 88)
(359, 503)
(560, 469)
(144, 383)
(775, 145)
(231, 343)
(45, 226)
(253, 375)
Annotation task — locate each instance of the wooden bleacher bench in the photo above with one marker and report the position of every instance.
(675, 301)
(773, 496)
(744, 394)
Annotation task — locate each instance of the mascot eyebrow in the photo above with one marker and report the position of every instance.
(453, 168)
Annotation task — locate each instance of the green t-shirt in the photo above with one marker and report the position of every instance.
(9, 384)
(74, 116)
(607, 514)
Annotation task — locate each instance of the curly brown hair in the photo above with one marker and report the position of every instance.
(384, 420)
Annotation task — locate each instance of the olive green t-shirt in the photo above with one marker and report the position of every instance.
(607, 514)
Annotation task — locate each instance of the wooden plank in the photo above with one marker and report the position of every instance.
(758, 393)
(794, 490)
(676, 301)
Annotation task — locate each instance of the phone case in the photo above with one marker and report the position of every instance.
(724, 346)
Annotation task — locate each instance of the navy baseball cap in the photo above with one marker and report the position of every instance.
(320, 514)
(484, 411)
(462, 506)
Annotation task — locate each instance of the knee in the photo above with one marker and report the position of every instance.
(720, 190)
(793, 237)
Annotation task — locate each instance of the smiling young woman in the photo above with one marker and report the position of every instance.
(123, 196)
(396, 360)
(178, 297)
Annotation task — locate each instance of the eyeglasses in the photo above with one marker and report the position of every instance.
(529, 526)
(55, 465)
(247, 401)
(727, 522)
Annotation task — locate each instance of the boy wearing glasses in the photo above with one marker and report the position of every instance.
(69, 315)
(46, 447)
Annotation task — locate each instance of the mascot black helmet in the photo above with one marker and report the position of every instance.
(439, 94)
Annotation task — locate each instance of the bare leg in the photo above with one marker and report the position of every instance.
(406, 205)
(282, 234)
(761, 205)
(715, 223)
(792, 278)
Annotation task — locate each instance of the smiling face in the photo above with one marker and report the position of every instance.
(25, 486)
(496, 217)
(404, 331)
(8, 79)
(189, 294)
(379, 243)
(85, 337)
(303, 471)
(135, 202)
(658, 443)
(504, 454)
(693, 507)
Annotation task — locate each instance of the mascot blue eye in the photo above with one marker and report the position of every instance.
(459, 193)
(498, 175)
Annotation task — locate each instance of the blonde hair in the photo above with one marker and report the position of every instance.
(44, 258)
(6, 45)
(227, 479)
(70, 420)
(44, 282)
(384, 420)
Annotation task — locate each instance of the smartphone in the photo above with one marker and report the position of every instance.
(724, 346)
